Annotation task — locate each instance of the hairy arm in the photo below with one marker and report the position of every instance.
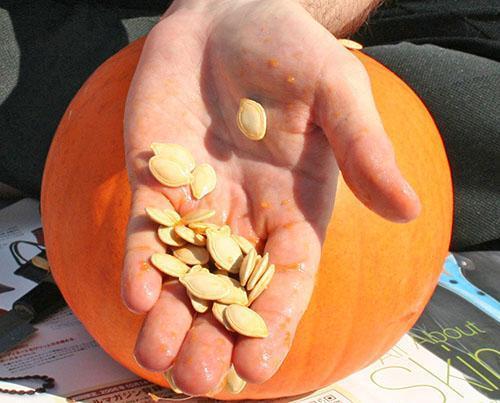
(340, 17)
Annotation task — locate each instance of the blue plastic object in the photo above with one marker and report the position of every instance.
(453, 279)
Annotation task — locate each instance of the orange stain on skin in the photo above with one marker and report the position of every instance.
(291, 266)
(145, 266)
(290, 79)
(285, 202)
(163, 348)
(273, 63)
(288, 339)
(265, 205)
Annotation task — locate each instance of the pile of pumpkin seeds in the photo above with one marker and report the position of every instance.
(220, 270)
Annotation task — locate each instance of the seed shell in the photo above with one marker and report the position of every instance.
(245, 321)
(170, 380)
(247, 266)
(190, 236)
(251, 119)
(175, 153)
(168, 172)
(204, 181)
(199, 305)
(205, 285)
(262, 284)
(201, 227)
(169, 264)
(224, 251)
(258, 271)
(237, 293)
(197, 216)
(218, 311)
(234, 384)
(168, 236)
(245, 244)
(168, 218)
(349, 44)
(192, 254)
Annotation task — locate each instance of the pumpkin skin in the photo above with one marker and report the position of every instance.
(375, 276)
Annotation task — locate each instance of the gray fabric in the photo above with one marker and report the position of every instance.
(47, 50)
(462, 92)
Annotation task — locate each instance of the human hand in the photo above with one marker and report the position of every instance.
(196, 65)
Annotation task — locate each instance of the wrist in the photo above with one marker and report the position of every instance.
(341, 17)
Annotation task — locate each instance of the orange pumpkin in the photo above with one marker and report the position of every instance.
(375, 276)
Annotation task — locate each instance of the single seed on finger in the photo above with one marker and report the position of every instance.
(204, 181)
(245, 321)
(168, 236)
(205, 285)
(168, 218)
(169, 264)
(247, 266)
(237, 294)
(258, 271)
(251, 119)
(218, 312)
(349, 44)
(190, 236)
(169, 173)
(199, 305)
(192, 254)
(197, 216)
(262, 284)
(168, 377)
(234, 384)
(245, 244)
(175, 153)
(224, 251)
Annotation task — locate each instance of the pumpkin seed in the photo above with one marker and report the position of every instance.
(199, 305)
(168, 236)
(40, 262)
(168, 173)
(169, 264)
(224, 251)
(189, 235)
(234, 384)
(262, 284)
(192, 254)
(175, 153)
(197, 216)
(204, 181)
(205, 285)
(257, 272)
(198, 268)
(168, 218)
(349, 44)
(245, 321)
(237, 294)
(201, 227)
(247, 266)
(225, 230)
(218, 312)
(244, 244)
(251, 119)
(170, 380)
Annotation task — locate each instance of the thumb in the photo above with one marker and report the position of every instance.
(346, 111)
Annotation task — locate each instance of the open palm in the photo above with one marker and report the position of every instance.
(196, 65)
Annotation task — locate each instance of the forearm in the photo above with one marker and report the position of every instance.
(340, 17)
